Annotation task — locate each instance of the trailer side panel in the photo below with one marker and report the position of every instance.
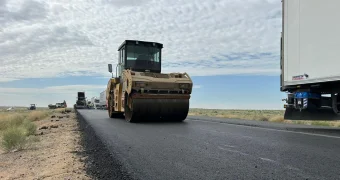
(311, 41)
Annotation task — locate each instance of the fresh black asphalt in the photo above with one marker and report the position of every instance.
(215, 148)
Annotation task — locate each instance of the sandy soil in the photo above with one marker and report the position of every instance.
(53, 157)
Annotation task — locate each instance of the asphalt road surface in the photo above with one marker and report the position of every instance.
(212, 148)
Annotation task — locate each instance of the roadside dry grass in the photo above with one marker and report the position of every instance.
(17, 128)
(63, 110)
(259, 115)
(40, 144)
(38, 115)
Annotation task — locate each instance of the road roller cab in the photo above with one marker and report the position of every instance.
(140, 91)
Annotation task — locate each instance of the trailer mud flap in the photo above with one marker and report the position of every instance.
(322, 114)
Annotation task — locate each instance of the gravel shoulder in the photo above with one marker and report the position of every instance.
(55, 156)
(101, 163)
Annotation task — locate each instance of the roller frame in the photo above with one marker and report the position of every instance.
(145, 93)
(135, 106)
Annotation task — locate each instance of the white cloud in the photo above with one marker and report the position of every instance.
(40, 38)
(7, 79)
(196, 86)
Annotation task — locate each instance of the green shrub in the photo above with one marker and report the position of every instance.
(37, 115)
(3, 125)
(12, 120)
(15, 131)
(15, 120)
(30, 127)
(14, 138)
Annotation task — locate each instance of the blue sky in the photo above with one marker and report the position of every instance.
(49, 50)
(222, 92)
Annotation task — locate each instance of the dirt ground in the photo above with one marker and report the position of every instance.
(54, 156)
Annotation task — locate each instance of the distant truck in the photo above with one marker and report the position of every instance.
(310, 58)
(81, 102)
(32, 107)
(90, 105)
(64, 104)
(102, 100)
(52, 106)
(57, 105)
(95, 102)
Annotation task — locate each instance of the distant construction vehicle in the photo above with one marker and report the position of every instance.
(95, 102)
(81, 102)
(89, 105)
(58, 105)
(52, 106)
(63, 104)
(309, 59)
(140, 91)
(32, 107)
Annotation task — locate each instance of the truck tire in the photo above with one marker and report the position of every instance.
(335, 103)
(290, 99)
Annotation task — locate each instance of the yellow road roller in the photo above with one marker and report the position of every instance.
(140, 91)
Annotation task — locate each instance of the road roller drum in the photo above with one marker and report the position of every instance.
(165, 109)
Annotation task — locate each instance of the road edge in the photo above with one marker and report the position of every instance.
(100, 162)
(318, 130)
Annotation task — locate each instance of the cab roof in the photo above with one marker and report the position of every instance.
(126, 42)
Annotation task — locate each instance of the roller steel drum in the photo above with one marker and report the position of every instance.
(158, 109)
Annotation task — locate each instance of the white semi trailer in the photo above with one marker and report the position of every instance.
(102, 100)
(310, 60)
